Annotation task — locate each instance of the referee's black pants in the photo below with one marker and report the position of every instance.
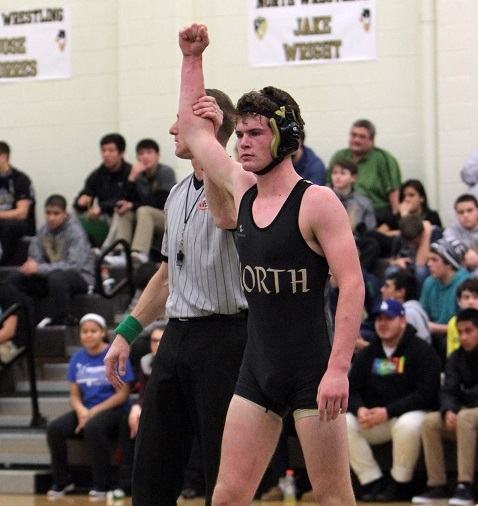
(191, 384)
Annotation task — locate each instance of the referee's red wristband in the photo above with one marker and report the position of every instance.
(129, 328)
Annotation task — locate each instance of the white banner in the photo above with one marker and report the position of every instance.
(294, 32)
(35, 44)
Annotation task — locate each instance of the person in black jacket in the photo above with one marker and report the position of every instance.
(139, 213)
(457, 418)
(96, 202)
(393, 382)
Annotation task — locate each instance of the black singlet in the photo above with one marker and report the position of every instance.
(285, 283)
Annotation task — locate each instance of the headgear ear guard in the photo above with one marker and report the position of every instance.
(285, 136)
(285, 133)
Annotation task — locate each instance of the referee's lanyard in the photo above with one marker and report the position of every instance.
(187, 215)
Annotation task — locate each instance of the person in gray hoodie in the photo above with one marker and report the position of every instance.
(59, 264)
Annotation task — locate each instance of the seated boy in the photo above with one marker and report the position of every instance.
(457, 419)
(359, 209)
(438, 297)
(467, 295)
(411, 247)
(466, 228)
(59, 263)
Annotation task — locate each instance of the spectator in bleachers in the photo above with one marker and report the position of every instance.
(402, 286)
(379, 175)
(466, 228)
(103, 188)
(411, 247)
(438, 297)
(393, 382)
(412, 201)
(17, 206)
(307, 164)
(467, 296)
(139, 213)
(9, 338)
(130, 422)
(359, 209)
(97, 411)
(457, 419)
(59, 264)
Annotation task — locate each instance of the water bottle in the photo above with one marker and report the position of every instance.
(106, 280)
(289, 488)
(115, 497)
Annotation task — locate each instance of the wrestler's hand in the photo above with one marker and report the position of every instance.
(115, 361)
(332, 395)
(207, 107)
(193, 39)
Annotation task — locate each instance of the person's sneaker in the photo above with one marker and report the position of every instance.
(60, 490)
(462, 496)
(394, 491)
(98, 493)
(432, 495)
(115, 260)
(370, 490)
(139, 258)
(189, 493)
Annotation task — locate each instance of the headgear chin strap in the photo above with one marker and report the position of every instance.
(285, 136)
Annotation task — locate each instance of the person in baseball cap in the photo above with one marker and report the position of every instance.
(393, 382)
(390, 307)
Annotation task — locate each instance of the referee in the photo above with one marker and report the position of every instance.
(197, 364)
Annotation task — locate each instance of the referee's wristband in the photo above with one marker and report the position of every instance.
(129, 328)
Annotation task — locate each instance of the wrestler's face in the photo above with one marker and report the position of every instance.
(254, 138)
(181, 150)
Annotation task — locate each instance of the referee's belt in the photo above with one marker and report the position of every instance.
(242, 315)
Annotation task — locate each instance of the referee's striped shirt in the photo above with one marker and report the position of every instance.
(208, 279)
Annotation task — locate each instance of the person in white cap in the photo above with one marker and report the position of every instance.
(97, 411)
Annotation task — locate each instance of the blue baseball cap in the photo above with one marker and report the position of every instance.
(390, 307)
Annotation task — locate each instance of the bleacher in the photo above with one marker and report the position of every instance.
(34, 388)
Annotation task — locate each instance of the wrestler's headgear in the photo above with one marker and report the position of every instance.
(285, 135)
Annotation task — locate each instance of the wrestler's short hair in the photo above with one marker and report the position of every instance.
(284, 116)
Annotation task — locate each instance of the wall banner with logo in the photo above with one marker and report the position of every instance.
(294, 32)
(35, 44)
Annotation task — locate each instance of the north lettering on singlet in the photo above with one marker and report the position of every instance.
(273, 281)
